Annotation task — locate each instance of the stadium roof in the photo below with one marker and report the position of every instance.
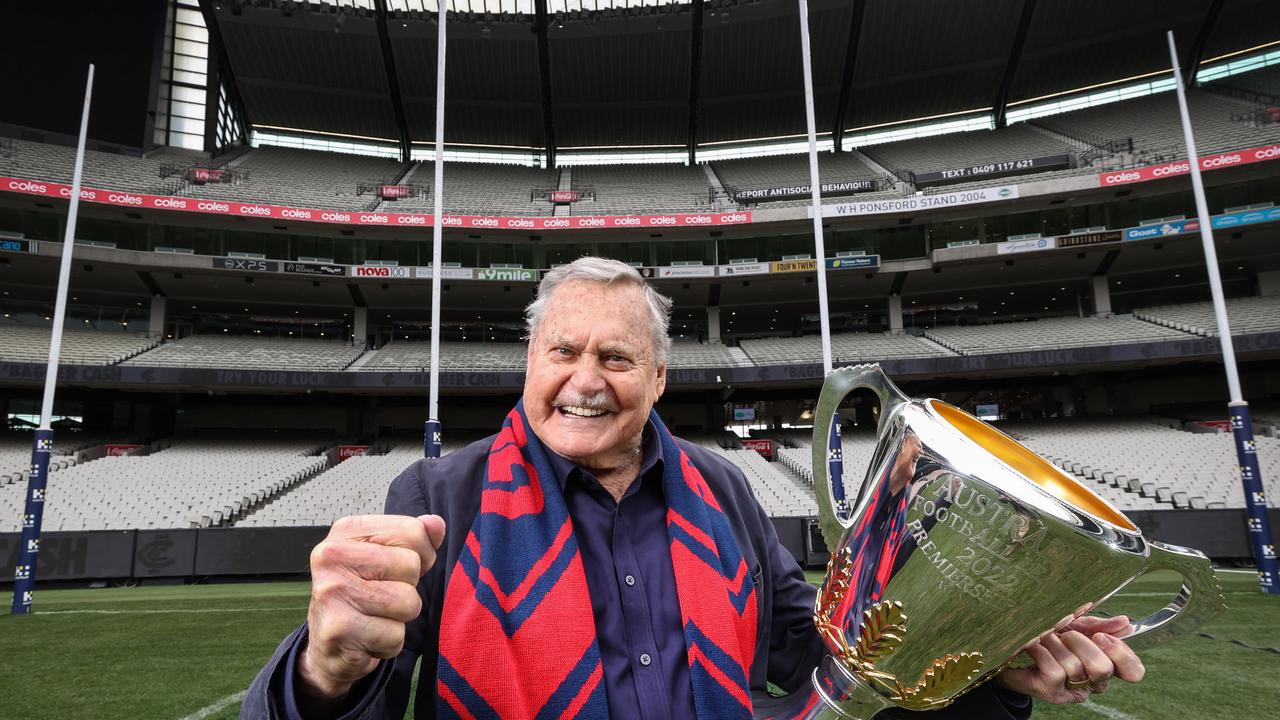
(574, 74)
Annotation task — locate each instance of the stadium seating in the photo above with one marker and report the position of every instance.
(405, 356)
(796, 452)
(1156, 129)
(1246, 315)
(19, 343)
(959, 150)
(479, 189)
(1143, 464)
(845, 347)
(15, 452)
(235, 351)
(302, 178)
(107, 171)
(185, 483)
(791, 170)
(635, 189)
(686, 354)
(409, 356)
(356, 486)
(1050, 333)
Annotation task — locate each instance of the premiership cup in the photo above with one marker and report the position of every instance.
(959, 547)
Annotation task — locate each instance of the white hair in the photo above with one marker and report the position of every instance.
(607, 272)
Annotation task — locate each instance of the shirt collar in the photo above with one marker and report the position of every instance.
(650, 456)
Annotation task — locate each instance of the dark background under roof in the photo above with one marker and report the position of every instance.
(626, 77)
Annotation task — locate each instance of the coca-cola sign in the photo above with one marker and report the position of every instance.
(393, 192)
(760, 445)
(565, 196)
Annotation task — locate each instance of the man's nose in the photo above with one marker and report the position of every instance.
(588, 376)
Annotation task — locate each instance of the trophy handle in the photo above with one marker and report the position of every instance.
(1198, 602)
(839, 383)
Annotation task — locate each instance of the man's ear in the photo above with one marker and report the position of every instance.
(661, 381)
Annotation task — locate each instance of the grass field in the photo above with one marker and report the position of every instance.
(188, 652)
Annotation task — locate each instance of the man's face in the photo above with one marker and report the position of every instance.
(592, 376)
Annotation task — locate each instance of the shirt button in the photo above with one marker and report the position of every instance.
(645, 659)
(630, 580)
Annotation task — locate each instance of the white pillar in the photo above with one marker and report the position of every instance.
(155, 321)
(1269, 282)
(713, 324)
(1101, 296)
(359, 325)
(895, 314)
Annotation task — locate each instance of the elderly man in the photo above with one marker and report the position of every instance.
(593, 564)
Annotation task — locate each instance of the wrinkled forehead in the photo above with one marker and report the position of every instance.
(612, 315)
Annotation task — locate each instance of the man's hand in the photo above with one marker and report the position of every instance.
(1076, 661)
(364, 579)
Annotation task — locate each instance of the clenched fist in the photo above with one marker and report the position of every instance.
(364, 588)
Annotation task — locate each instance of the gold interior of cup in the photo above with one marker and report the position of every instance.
(1032, 466)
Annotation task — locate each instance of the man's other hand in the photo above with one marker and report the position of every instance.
(1076, 661)
(364, 588)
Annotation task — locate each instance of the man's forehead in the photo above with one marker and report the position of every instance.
(612, 320)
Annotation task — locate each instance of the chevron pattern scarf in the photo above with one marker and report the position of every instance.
(517, 635)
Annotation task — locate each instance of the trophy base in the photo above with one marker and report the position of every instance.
(834, 693)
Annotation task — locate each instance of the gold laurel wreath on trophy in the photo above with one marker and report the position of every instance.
(881, 633)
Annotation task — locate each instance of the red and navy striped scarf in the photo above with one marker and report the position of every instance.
(517, 635)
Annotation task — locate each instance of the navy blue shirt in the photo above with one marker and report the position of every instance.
(627, 558)
(638, 626)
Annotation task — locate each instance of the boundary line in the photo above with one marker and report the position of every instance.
(167, 611)
(1103, 710)
(217, 705)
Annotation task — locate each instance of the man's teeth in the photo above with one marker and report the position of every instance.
(581, 411)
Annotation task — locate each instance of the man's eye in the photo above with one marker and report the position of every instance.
(564, 351)
(617, 359)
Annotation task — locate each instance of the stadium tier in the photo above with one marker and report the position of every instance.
(184, 483)
(326, 180)
(845, 347)
(302, 178)
(631, 189)
(477, 189)
(1246, 315)
(961, 150)
(1050, 333)
(356, 486)
(783, 171)
(20, 343)
(215, 351)
(1153, 124)
(1144, 464)
(15, 453)
(408, 356)
(106, 171)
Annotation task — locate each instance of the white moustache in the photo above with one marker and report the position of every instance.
(595, 401)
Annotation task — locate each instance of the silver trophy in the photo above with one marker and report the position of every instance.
(961, 546)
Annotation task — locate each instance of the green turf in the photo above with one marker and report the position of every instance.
(124, 659)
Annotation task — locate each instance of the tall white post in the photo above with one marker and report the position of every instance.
(815, 189)
(1264, 549)
(835, 459)
(431, 438)
(42, 444)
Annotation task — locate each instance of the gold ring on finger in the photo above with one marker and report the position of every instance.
(1078, 684)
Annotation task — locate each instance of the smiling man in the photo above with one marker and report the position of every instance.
(593, 566)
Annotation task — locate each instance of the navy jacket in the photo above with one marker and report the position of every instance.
(788, 647)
